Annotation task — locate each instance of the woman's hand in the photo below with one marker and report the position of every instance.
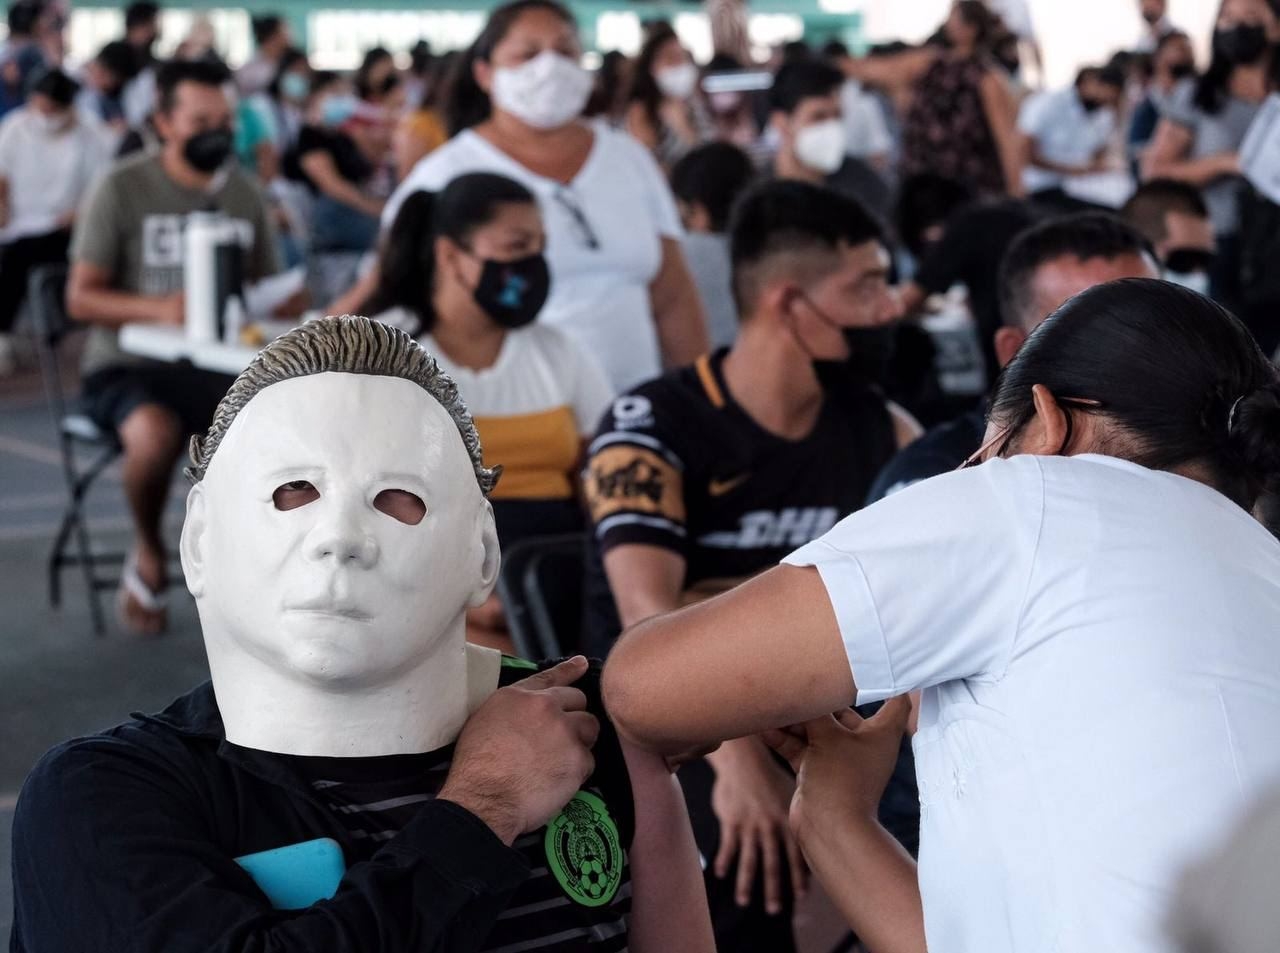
(842, 762)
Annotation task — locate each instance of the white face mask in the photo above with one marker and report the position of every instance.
(1197, 281)
(548, 91)
(677, 82)
(821, 146)
(324, 603)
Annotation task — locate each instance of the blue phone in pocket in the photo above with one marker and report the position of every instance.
(298, 875)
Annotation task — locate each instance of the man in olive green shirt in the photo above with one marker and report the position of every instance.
(127, 267)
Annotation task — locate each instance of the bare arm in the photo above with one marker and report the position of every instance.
(764, 654)
(645, 580)
(906, 429)
(1166, 158)
(1001, 113)
(677, 309)
(90, 298)
(638, 125)
(669, 904)
(891, 72)
(320, 168)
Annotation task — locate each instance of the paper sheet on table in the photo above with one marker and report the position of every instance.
(262, 298)
(1260, 151)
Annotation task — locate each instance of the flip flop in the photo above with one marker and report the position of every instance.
(140, 609)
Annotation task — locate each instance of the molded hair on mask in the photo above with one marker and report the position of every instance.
(347, 344)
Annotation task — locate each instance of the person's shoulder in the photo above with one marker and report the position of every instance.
(941, 450)
(135, 169)
(460, 154)
(627, 158)
(661, 403)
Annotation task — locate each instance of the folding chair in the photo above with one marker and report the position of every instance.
(87, 449)
(541, 589)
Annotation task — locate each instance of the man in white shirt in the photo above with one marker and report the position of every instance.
(1066, 133)
(1155, 24)
(48, 156)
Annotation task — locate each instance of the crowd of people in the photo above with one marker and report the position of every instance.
(713, 327)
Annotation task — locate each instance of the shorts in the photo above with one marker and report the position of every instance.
(110, 395)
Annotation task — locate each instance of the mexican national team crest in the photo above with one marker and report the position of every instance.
(583, 851)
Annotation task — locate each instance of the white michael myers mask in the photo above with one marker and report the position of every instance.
(337, 537)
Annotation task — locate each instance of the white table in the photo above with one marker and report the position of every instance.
(162, 343)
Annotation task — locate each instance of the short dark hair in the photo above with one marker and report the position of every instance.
(807, 223)
(140, 12)
(174, 73)
(1084, 235)
(23, 15)
(1110, 75)
(714, 176)
(265, 27)
(1172, 36)
(55, 84)
(120, 59)
(1180, 377)
(801, 80)
(1153, 200)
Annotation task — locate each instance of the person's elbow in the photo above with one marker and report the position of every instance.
(78, 298)
(623, 687)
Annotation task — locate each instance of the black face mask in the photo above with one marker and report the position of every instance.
(1188, 260)
(1090, 105)
(1182, 70)
(870, 350)
(512, 293)
(207, 151)
(1151, 16)
(1241, 45)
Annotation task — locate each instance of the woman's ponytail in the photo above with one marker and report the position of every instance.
(407, 262)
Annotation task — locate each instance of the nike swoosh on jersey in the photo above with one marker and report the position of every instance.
(721, 487)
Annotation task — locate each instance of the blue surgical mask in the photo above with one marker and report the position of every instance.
(338, 109)
(294, 86)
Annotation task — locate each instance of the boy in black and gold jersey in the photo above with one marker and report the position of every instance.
(713, 473)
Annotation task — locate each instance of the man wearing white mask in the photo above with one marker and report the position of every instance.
(619, 284)
(356, 777)
(807, 118)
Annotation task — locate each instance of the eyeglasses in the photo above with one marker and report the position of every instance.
(1005, 437)
(586, 234)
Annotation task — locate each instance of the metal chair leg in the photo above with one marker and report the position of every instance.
(57, 557)
(90, 577)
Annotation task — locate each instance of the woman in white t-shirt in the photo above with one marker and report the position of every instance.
(620, 286)
(1091, 615)
(464, 270)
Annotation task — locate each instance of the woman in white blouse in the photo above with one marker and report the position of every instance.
(1091, 613)
(620, 287)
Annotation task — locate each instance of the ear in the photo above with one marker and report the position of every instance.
(482, 73)
(191, 547)
(776, 298)
(164, 128)
(490, 557)
(1008, 340)
(1047, 432)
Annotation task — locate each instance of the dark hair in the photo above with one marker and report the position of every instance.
(265, 27)
(802, 80)
(834, 50)
(322, 78)
(1170, 37)
(924, 200)
(55, 84)
(119, 58)
(468, 104)
(713, 175)
(607, 92)
(979, 16)
(407, 258)
(23, 16)
(1211, 88)
(794, 51)
(791, 218)
(362, 81)
(1153, 200)
(643, 88)
(140, 12)
(290, 58)
(1109, 75)
(1179, 376)
(174, 73)
(1084, 235)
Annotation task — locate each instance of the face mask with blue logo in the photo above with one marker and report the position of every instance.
(512, 293)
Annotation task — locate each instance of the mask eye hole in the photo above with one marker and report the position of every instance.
(290, 496)
(401, 505)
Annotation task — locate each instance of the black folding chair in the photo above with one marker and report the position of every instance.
(87, 449)
(541, 590)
